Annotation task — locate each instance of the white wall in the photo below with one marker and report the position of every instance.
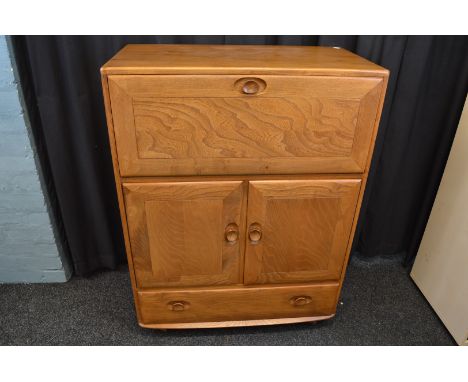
(28, 251)
(441, 266)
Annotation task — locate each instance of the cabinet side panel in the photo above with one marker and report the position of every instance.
(118, 185)
(364, 182)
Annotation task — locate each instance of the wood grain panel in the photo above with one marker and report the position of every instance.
(225, 305)
(177, 232)
(194, 125)
(244, 128)
(305, 229)
(239, 59)
(185, 240)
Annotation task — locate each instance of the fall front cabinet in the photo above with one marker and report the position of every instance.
(239, 184)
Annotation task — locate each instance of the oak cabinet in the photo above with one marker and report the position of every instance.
(240, 171)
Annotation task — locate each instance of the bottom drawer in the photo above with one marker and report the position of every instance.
(200, 307)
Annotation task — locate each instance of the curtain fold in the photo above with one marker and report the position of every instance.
(426, 92)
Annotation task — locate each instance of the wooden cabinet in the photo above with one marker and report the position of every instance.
(240, 171)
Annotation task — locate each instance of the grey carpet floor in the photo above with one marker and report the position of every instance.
(379, 305)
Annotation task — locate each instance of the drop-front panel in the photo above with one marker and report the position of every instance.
(240, 172)
(186, 125)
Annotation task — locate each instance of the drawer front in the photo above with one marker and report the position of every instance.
(215, 305)
(193, 125)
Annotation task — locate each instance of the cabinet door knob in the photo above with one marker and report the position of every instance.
(178, 306)
(300, 300)
(255, 233)
(231, 233)
(250, 87)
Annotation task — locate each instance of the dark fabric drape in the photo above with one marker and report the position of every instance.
(427, 89)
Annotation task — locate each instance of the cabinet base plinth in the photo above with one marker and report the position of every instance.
(229, 324)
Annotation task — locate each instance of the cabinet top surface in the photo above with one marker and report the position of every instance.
(239, 59)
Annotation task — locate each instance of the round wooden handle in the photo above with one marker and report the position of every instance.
(300, 300)
(178, 306)
(255, 233)
(231, 233)
(250, 87)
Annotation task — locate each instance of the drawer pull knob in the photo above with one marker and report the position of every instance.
(250, 87)
(231, 233)
(300, 300)
(255, 233)
(178, 306)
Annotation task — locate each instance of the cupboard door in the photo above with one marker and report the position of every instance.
(298, 231)
(186, 233)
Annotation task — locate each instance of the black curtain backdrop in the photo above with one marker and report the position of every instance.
(426, 92)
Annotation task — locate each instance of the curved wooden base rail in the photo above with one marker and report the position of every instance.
(231, 324)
